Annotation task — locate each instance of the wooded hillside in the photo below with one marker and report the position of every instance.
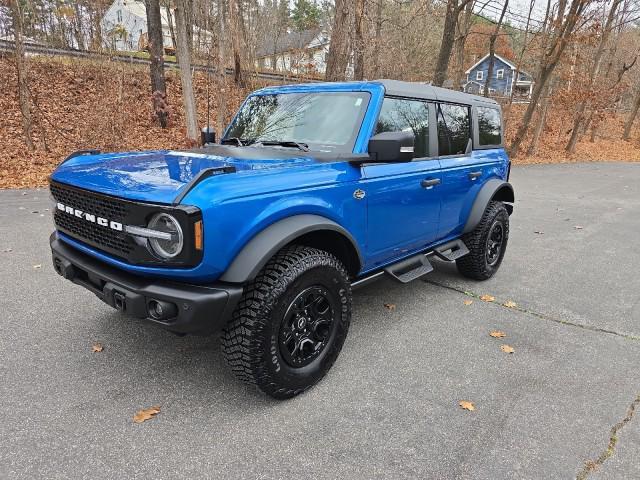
(582, 55)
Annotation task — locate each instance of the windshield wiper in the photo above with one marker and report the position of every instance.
(286, 143)
(235, 140)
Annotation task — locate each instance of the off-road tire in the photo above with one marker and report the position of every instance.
(250, 341)
(475, 264)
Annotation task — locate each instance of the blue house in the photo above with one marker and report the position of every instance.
(502, 81)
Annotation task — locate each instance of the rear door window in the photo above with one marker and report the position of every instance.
(489, 126)
(454, 129)
(403, 115)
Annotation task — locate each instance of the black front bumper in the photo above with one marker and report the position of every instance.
(201, 309)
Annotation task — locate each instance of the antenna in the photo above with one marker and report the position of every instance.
(207, 135)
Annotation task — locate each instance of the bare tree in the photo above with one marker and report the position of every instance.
(542, 118)
(593, 75)
(184, 59)
(565, 27)
(632, 116)
(492, 48)
(221, 69)
(358, 51)
(23, 75)
(156, 67)
(377, 39)
(516, 74)
(338, 57)
(463, 29)
(236, 40)
(454, 7)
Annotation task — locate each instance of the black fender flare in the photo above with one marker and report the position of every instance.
(257, 251)
(494, 189)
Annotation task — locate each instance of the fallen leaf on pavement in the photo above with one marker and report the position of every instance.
(97, 347)
(487, 298)
(146, 414)
(497, 334)
(390, 306)
(468, 302)
(507, 348)
(466, 405)
(37, 266)
(510, 304)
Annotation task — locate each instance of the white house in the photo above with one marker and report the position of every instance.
(296, 52)
(124, 25)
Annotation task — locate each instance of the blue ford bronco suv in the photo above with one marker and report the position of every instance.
(313, 190)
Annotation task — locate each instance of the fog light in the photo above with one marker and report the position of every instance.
(159, 310)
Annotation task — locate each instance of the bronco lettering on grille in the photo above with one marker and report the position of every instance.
(104, 222)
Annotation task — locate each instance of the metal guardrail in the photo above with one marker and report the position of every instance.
(33, 48)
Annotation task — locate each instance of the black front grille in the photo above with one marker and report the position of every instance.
(125, 212)
(102, 206)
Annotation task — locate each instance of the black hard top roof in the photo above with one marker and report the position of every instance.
(429, 92)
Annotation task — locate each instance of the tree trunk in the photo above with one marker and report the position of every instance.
(156, 68)
(221, 70)
(172, 30)
(542, 119)
(461, 39)
(184, 59)
(516, 74)
(446, 45)
(358, 53)
(593, 75)
(234, 20)
(338, 57)
(632, 116)
(23, 81)
(492, 48)
(543, 76)
(78, 31)
(378, 40)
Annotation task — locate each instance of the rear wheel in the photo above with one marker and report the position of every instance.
(487, 244)
(291, 322)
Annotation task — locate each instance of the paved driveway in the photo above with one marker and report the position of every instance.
(389, 407)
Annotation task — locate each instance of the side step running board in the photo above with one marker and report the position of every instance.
(451, 251)
(410, 268)
(418, 265)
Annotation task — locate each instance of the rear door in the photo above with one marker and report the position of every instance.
(403, 199)
(464, 169)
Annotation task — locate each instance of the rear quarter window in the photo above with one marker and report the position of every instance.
(489, 126)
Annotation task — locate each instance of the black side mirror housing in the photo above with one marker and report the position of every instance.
(388, 147)
(207, 136)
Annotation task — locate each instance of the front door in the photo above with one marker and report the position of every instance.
(403, 199)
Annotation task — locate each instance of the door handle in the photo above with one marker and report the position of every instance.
(474, 175)
(430, 182)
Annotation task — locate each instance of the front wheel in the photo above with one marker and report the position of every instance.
(291, 322)
(487, 243)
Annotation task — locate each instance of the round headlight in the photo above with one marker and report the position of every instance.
(164, 222)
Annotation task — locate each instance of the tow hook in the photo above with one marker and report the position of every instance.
(119, 301)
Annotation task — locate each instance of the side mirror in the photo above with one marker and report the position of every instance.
(207, 136)
(387, 147)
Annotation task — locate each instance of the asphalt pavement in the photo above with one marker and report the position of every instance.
(560, 407)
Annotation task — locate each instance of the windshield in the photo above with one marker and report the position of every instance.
(325, 121)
